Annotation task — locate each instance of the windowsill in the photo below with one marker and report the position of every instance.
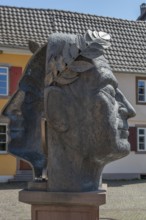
(140, 152)
(140, 103)
(4, 97)
(3, 152)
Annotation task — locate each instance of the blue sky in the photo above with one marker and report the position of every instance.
(125, 9)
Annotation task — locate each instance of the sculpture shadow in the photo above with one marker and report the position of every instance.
(119, 183)
(107, 219)
(13, 185)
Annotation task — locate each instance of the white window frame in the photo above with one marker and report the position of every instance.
(141, 135)
(7, 78)
(5, 151)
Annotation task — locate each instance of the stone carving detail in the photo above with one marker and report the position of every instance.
(68, 118)
(64, 68)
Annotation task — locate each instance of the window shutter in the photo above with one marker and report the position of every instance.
(14, 77)
(133, 138)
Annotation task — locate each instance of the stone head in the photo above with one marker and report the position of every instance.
(87, 115)
(82, 100)
(70, 84)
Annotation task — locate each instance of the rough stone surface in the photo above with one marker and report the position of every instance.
(84, 115)
(25, 111)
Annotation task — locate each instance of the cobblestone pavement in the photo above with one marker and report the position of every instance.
(126, 200)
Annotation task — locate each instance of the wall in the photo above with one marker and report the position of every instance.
(12, 60)
(8, 162)
(133, 165)
(127, 84)
(3, 102)
(5, 161)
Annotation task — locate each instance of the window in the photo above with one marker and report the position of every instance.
(3, 138)
(141, 139)
(141, 90)
(4, 81)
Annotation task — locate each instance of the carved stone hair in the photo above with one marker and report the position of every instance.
(62, 65)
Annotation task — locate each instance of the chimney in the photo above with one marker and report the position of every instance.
(142, 16)
(143, 8)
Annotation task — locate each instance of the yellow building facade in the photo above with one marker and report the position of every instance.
(8, 163)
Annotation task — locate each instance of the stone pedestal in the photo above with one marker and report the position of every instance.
(64, 206)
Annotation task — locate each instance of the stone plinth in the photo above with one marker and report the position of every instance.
(64, 206)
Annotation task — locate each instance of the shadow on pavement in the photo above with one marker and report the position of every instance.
(107, 219)
(113, 183)
(13, 185)
(110, 183)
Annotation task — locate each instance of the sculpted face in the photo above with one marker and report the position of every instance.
(86, 114)
(25, 111)
(87, 124)
(95, 114)
(107, 111)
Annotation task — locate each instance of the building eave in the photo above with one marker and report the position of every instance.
(134, 72)
(20, 51)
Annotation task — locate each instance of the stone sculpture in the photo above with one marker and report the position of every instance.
(70, 97)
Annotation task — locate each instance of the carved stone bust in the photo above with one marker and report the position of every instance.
(68, 117)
